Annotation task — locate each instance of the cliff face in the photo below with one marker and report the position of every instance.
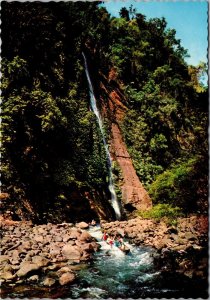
(134, 195)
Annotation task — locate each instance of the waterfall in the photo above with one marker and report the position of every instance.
(94, 108)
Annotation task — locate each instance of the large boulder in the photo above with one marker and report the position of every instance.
(72, 252)
(85, 237)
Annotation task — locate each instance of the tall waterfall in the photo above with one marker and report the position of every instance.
(114, 201)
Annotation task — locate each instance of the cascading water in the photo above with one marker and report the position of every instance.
(114, 201)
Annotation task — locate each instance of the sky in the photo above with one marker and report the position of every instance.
(189, 19)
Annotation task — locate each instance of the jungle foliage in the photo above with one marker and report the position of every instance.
(51, 143)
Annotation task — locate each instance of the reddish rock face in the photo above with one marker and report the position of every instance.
(133, 192)
(134, 195)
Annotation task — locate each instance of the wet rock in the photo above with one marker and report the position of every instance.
(85, 256)
(67, 278)
(95, 246)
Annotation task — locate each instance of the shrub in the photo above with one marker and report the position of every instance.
(177, 186)
(159, 211)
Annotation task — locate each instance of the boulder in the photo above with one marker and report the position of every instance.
(58, 238)
(26, 268)
(7, 275)
(74, 234)
(63, 270)
(4, 259)
(40, 261)
(85, 237)
(33, 278)
(67, 278)
(55, 250)
(26, 245)
(66, 238)
(71, 252)
(82, 225)
(39, 238)
(48, 281)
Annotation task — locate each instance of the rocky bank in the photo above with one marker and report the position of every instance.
(52, 254)
(44, 254)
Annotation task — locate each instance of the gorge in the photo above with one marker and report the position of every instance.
(102, 120)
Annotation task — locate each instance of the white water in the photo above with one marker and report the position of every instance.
(115, 274)
(113, 199)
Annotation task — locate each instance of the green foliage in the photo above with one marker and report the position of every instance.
(178, 185)
(160, 211)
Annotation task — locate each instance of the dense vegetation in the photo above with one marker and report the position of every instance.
(52, 149)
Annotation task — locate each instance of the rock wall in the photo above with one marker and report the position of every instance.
(134, 195)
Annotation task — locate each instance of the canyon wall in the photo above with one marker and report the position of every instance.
(134, 195)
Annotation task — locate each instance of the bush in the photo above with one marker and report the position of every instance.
(178, 186)
(159, 211)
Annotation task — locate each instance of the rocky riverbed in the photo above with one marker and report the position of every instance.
(50, 255)
(45, 254)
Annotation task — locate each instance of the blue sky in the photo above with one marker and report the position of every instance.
(189, 19)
